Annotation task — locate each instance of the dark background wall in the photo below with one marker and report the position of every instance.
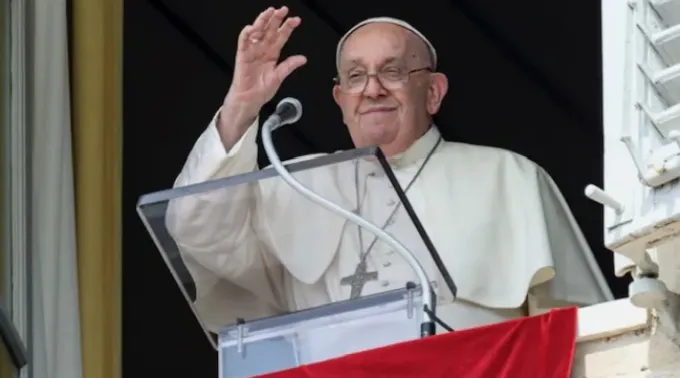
(522, 76)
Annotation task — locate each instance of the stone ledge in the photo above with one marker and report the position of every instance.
(610, 319)
(616, 339)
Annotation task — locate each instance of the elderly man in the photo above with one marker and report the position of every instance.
(498, 221)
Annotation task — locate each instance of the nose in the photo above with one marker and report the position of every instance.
(374, 87)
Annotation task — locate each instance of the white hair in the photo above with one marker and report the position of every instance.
(388, 20)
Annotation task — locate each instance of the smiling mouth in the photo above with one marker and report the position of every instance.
(378, 110)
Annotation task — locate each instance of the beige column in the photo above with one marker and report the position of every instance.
(97, 116)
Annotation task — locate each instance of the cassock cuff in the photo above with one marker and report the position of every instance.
(248, 138)
(209, 157)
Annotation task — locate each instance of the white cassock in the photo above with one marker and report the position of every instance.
(499, 223)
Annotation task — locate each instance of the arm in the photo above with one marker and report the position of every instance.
(222, 234)
(217, 232)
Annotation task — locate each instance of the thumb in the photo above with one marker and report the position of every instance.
(289, 65)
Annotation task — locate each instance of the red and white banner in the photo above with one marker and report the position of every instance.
(533, 347)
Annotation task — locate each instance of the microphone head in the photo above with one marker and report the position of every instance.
(290, 110)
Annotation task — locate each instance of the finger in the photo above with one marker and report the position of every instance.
(244, 38)
(289, 65)
(263, 19)
(286, 30)
(271, 30)
(257, 30)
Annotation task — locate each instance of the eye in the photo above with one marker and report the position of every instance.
(355, 78)
(392, 73)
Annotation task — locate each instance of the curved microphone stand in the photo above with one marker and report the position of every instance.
(274, 122)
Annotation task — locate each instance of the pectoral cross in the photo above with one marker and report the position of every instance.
(358, 279)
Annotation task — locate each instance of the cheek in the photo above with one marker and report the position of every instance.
(408, 103)
(421, 102)
(349, 108)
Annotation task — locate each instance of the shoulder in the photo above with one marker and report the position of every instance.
(484, 157)
(458, 149)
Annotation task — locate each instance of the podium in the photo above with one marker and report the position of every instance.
(319, 334)
(276, 281)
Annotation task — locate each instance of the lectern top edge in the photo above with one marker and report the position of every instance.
(329, 309)
(269, 172)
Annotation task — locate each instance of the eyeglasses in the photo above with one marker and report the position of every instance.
(391, 78)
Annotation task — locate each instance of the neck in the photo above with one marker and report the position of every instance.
(391, 151)
(399, 147)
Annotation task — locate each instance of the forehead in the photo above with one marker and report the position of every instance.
(377, 43)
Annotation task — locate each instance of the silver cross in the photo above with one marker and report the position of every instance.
(358, 279)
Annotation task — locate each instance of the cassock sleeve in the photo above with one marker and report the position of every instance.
(216, 234)
(578, 280)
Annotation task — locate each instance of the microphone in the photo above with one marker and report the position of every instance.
(288, 111)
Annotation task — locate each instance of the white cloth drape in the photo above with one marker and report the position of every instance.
(55, 323)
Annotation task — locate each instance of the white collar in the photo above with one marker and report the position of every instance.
(418, 150)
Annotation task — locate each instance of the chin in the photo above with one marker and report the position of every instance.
(379, 134)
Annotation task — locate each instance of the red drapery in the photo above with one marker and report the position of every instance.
(533, 347)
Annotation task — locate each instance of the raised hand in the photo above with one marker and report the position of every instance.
(257, 72)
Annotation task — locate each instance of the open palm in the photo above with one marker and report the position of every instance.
(257, 72)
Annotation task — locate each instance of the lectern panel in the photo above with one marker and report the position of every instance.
(249, 247)
(319, 334)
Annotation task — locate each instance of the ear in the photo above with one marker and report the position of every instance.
(439, 85)
(337, 94)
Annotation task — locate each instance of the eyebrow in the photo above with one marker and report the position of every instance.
(358, 61)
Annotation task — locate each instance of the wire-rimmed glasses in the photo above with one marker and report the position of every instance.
(355, 82)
